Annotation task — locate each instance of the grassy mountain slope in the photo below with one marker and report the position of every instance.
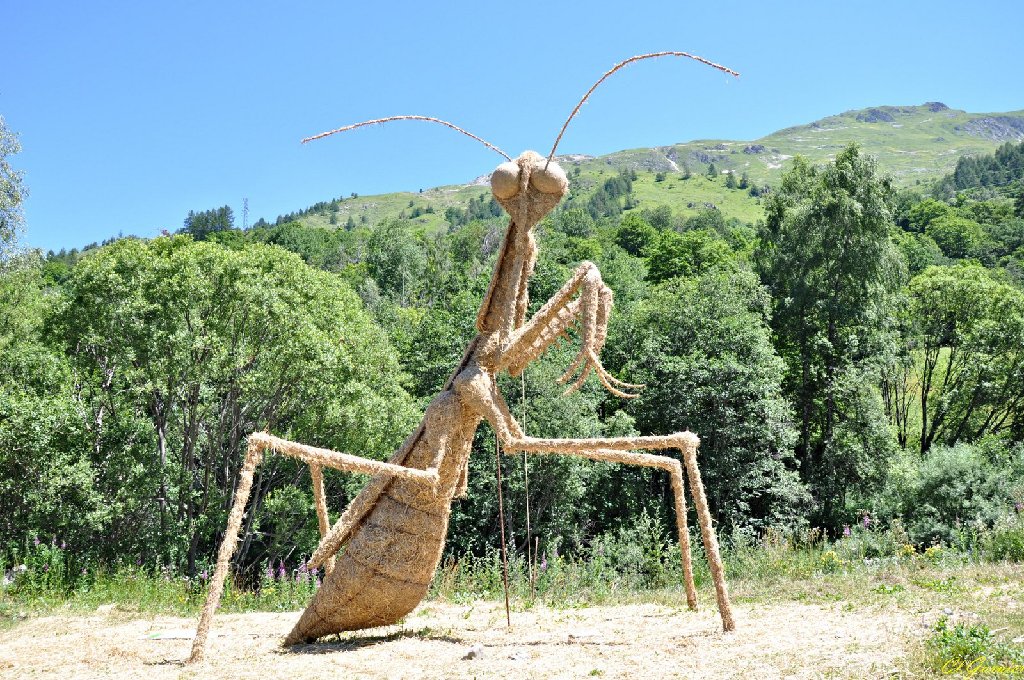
(915, 144)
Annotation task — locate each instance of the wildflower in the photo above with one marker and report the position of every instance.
(281, 573)
(138, 561)
(846, 530)
(867, 520)
(544, 563)
(1018, 506)
(46, 568)
(204, 576)
(36, 541)
(269, 575)
(63, 545)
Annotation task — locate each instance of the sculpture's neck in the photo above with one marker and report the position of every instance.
(504, 308)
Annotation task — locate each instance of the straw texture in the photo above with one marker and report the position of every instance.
(381, 554)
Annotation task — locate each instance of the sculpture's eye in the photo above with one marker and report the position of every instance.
(505, 180)
(550, 179)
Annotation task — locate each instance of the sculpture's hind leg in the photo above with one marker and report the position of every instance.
(258, 442)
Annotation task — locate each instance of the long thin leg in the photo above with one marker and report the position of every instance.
(526, 335)
(316, 458)
(320, 499)
(480, 393)
(227, 548)
(617, 452)
(341, 461)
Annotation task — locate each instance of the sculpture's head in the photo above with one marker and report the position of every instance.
(529, 187)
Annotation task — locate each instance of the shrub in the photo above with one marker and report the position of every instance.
(1006, 540)
(953, 494)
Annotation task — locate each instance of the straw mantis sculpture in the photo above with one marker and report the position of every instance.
(394, 530)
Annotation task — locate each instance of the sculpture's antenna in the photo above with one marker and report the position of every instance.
(391, 118)
(615, 68)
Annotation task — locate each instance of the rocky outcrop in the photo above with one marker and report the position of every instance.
(997, 128)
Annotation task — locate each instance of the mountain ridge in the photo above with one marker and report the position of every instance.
(916, 145)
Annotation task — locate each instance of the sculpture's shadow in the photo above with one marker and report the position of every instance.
(335, 643)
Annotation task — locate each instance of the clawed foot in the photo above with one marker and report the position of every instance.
(589, 361)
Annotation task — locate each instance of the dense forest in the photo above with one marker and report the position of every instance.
(855, 356)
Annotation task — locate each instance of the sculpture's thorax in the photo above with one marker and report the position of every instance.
(528, 188)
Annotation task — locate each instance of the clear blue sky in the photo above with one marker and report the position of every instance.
(133, 113)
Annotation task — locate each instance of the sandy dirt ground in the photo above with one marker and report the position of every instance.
(471, 641)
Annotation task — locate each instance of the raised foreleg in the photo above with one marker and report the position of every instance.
(551, 321)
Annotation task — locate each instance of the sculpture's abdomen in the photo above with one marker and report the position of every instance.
(386, 568)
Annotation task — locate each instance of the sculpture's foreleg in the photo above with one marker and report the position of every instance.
(551, 321)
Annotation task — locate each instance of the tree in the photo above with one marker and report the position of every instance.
(709, 218)
(395, 260)
(635, 235)
(958, 237)
(182, 348)
(921, 214)
(659, 217)
(712, 171)
(970, 330)
(730, 180)
(575, 222)
(12, 193)
(702, 346)
(826, 256)
(688, 254)
(202, 224)
(744, 181)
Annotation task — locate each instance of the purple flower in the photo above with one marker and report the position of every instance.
(317, 581)
(270, 572)
(867, 521)
(315, 571)
(46, 567)
(846, 530)
(36, 541)
(138, 561)
(63, 545)
(204, 575)
(544, 563)
(281, 573)
(1018, 506)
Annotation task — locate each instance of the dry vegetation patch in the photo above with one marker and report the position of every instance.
(450, 640)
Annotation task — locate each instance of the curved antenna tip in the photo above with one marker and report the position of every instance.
(622, 64)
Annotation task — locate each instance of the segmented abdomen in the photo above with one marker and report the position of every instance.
(386, 568)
